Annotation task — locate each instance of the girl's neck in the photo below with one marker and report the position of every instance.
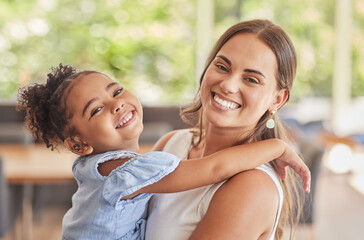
(132, 147)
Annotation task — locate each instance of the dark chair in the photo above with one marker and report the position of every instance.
(312, 152)
(4, 203)
(10, 203)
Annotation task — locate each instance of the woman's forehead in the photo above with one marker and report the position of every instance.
(248, 50)
(245, 41)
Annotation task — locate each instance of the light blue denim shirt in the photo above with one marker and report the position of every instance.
(97, 209)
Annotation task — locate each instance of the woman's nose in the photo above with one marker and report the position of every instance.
(230, 85)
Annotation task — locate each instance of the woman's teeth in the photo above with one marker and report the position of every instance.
(125, 119)
(225, 104)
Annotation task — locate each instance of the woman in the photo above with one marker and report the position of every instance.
(247, 79)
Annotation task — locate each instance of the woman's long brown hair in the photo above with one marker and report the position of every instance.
(281, 45)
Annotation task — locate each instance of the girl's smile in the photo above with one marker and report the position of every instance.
(126, 119)
(104, 115)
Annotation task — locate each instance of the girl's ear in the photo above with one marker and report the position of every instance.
(78, 146)
(280, 98)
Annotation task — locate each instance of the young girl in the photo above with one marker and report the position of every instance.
(94, 117)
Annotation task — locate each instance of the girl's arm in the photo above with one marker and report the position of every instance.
(226, 163)
(289, 158)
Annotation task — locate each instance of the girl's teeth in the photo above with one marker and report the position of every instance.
(126, 119)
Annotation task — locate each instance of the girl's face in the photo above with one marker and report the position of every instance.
(104, 115)
(239, 85)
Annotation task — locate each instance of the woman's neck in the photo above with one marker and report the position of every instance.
(216, 139)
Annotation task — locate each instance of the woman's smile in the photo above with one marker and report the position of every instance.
(223, 103)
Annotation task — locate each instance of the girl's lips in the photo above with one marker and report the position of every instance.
(223, 103)
(126, 119)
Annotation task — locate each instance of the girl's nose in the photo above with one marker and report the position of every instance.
(230, 85)
(117, 106)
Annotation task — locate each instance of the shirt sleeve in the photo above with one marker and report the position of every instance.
(137, 173)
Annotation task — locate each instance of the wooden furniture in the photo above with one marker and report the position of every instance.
(32, 164)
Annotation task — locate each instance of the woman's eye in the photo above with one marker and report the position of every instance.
(117, 92)
(252, 80)
(221, 67)
(95, 111)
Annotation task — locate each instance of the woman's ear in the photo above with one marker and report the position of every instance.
(280, 98)
(78, 146)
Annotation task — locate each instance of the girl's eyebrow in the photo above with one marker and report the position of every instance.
(245, 70)
(87, 105)
(94, 99)
(111, 85)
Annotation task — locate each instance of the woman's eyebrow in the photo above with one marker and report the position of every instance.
(245, 70)
(224, 58)
(254, 71)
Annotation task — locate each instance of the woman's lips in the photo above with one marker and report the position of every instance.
(223, 103)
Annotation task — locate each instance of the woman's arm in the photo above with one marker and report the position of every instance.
(244, 207)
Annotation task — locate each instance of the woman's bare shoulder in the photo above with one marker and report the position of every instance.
(159, 145)
(253, 199)
(256, 182)
(247, 202)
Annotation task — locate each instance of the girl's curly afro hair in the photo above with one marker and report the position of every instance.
(44, 104)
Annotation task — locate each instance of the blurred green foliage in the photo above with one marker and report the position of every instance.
(148, 45)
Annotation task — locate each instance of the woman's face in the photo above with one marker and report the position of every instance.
(239, 86)
(104, 115)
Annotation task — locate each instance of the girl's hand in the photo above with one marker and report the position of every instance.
(291, 159)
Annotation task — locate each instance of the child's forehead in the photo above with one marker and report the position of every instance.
(86, 87)
(90, 84)
(92, 80)
(94, 77)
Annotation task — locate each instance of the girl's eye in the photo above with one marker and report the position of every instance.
(95, 111)
(117, 92)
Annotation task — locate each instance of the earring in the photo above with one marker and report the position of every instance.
(76, 147)
(270, 123)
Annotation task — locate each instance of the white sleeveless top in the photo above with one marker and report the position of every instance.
(176, 215)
